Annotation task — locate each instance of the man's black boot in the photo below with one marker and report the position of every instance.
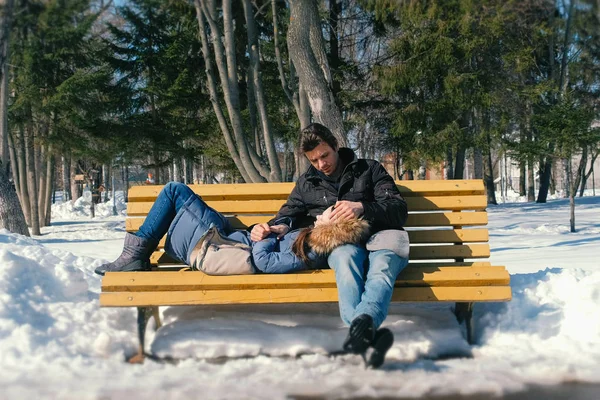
(384, 339)
(361, 334)
(135, 256)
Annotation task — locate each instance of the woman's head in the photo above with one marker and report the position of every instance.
(325, 217)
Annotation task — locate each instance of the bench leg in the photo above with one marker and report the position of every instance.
(464, 312)
(144, 314)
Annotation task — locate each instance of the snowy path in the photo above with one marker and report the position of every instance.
(55, 342)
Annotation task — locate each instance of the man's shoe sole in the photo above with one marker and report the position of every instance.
(360, 335)
(384, 339)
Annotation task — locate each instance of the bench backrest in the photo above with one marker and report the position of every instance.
(446, 222)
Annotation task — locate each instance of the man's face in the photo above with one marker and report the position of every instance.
(324, 158)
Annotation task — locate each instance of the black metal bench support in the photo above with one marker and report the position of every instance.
(144, 315)
(464, 312)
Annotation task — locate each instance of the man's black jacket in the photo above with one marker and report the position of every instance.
(362, 180)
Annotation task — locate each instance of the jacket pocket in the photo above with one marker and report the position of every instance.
(218, 255)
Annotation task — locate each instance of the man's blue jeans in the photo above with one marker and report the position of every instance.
(361, 293)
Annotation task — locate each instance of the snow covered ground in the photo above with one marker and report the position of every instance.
(55, 341)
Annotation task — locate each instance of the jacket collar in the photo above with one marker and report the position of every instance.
(347, 156)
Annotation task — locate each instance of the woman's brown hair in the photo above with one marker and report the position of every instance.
(300, 246)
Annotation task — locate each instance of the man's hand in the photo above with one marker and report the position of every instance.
(280, 230)
(261, 231)
(347, 210)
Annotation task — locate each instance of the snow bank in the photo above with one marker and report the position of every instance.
(550, 331)
(80, 208)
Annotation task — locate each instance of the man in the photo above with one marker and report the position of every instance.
(358, 188)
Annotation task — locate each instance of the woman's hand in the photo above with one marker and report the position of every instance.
(261, 231)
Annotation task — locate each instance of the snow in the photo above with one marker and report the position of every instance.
(56, 342)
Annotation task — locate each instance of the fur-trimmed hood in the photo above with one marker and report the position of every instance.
(326, 237)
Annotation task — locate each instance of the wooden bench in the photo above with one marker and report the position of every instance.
(449, 247)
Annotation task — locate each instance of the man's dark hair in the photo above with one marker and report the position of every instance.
(315, 134)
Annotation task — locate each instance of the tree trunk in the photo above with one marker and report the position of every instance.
(177, 175)
(478, 163)
(22, 163)
(553, 186)
(14, 164)
(422, 170)
(586, 176)
(545, 174)
(11, 213)
(252, 112)
(529, 159)
(459, 167)
(302, 163)
(4, 152)
(227, 66)
(40, 168)
(126, 184)
(566, 164)
(291, 91)
(212, 86)
(6, 16)
(530, 180)
(188, 165)
(49, 187)
(335, 9)
(397, 164)
(580, 170)
(489, 172)
(253, 52)
(306, 48)
(66, 175)
(449, 164)
(156, 156)
(75, 187)
(522, 178)
(523, 129)
(32, 181)
(572, 188)
(564, 62)
(107, 182)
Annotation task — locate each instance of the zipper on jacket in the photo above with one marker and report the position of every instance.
(341, 176)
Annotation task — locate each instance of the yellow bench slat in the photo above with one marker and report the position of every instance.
(304, 295)
(177, 266)
(432, 236)
(441, 187)
(196, 280)
(249, 191)
(433, 252)
(478, 218)
(429, 203)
